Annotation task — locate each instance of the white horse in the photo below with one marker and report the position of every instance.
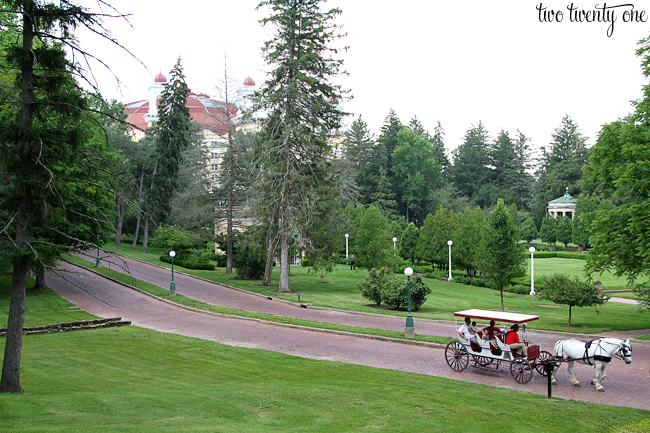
(597, 353)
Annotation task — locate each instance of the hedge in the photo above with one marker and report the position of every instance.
(189, 265)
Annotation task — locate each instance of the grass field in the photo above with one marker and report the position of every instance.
(137, 380)
(340, 292)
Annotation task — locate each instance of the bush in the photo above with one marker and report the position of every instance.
(396, 295)
(188, 264)
(176, 239)
(377, 281)
(472, 281)
(520, 289)
(221, 259)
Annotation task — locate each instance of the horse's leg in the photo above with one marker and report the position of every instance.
(553, 371)
(600, 375)
(574, 381)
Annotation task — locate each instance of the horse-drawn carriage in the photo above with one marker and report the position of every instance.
(491, 354)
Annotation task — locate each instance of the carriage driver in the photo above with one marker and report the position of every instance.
(517, 346)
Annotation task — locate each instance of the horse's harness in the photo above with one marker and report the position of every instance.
(599, 349)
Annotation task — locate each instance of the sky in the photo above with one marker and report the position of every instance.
(459, 63)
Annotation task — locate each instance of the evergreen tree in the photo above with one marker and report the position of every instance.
(547, 232)
(502, 258)
(387, 140)
(56, 167)
(359, 150)
(293, 148)
(528, 230)
(173, 132)
(439, 150)
(564, 231)
(471, 159)
(561, 165)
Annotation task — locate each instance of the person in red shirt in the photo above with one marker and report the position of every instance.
(517, 346)
(492, 331)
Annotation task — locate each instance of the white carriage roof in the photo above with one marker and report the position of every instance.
(497, 316)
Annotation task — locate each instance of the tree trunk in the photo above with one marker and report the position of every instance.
(229, 224)
(269, 262)
(137, 224)
(119, 220)
(10, 381)
(145, 235)
(501, 290)
(569, 316)
(284, 263)
(40, 279)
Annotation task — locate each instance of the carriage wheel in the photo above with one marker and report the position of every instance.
(457, 356)
(482, 360)
(543, 355)
(521, 370)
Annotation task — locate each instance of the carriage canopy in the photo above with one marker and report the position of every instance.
(500, 316)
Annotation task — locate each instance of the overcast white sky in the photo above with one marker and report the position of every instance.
(456, 62)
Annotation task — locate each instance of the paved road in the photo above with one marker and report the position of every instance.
(627, 385)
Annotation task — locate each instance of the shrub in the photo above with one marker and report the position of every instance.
(188, 264)
(396, 295)
(518, 288)
(377, 281)
(221, 259)
(176, 239)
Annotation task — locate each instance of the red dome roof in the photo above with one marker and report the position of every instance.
(160, 78)
(249, 82)
(209, 114)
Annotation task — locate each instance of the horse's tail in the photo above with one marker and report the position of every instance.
(559, 348)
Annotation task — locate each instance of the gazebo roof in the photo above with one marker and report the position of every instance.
(566, 198)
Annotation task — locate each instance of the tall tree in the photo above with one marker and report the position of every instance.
(173, 132)
(562, 163)
(468, 238)
(502, 258)
(564, 231)
(387, 140)
(374, 244)
(415, 171)
(55, 191)
(409, 242)
(293, 148)
(471, 160)
(439, 150)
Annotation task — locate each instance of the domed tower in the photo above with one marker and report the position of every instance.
(155, 90)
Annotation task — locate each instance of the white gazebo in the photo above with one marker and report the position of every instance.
(563, 206)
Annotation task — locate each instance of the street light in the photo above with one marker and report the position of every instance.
(532, 271)
(450, 243)
(172, 287)
(394, 245)
(346, 245)
(409, 330)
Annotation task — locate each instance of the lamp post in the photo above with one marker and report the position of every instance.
(532, 271)
(172, 287)
(450, 243)
(394, 245)
(346, 245)
(409, 330)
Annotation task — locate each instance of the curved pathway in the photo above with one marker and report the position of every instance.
(628, 385)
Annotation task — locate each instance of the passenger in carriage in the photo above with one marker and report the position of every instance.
(473, 329)
(465, 330)
(517, 346)
(492, 331)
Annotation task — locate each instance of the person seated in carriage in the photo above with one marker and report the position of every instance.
(465, 330)
(492, 331)
(516, 346)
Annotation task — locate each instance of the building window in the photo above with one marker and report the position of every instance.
(214, 144)
(215, 155)
(215, 167)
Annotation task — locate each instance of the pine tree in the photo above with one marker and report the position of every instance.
(471, 159)
(293, 148)
(55, 188)
(173, 132)
(439, 150)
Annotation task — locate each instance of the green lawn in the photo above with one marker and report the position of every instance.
(137, 380)
(133, 379)
(340, 292)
